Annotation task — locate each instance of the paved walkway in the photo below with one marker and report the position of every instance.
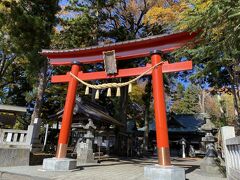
(108, 170)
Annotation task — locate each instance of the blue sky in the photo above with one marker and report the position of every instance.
(63, 2)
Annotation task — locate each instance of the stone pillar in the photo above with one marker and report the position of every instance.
(183, 143)
(227, 133)
(33, 131)
(33, 135)
(1, 136)
(85, 151)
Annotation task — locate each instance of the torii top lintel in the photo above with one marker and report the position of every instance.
(124, 50)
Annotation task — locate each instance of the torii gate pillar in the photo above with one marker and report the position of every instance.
(160, 111)
(68, 113)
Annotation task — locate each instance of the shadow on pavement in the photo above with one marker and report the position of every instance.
(142, 162)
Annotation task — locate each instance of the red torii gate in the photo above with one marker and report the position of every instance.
(152, 46)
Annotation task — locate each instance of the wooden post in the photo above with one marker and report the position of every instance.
(160, 111)
(68, 112)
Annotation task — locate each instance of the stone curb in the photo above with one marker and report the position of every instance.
(10, 176)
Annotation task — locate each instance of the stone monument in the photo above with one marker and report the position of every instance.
(209, 165)
(33, 135)
(84, 149)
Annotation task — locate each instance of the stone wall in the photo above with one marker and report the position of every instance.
(14, 157)
(231, 147)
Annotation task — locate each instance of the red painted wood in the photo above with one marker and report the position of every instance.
(160, 112)
(124, 50)
(126, 55)
(166, 68)
(68, 113)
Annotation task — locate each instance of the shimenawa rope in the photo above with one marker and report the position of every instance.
(113, 85)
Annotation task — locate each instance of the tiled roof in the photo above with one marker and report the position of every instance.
(183, 123)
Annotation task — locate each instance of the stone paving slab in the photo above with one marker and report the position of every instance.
(131, 169)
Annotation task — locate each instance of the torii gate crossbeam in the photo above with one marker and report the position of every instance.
(125, 50)
(166, 68)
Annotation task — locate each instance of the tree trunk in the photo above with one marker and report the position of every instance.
(93, 95)
(123, 105)
(234, 87)
(122, 117)
(146, 132)
(232, 74)
(235, 100)
(201, 98)
(147, 100)
(42, 81)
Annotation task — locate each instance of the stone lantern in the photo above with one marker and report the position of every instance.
(208, 128)
(85, 149)
(209, 164)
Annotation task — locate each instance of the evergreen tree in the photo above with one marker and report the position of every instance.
(216, 50)
(29, 24)
(217, 53)
(179, 91)
(189, 103)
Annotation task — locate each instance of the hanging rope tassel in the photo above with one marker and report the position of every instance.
(114, 85)
(130, 88)
(118, 94)
(109, 94)
(87, 90)
(97, 94)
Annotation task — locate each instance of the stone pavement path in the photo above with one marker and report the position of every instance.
(131, 169)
